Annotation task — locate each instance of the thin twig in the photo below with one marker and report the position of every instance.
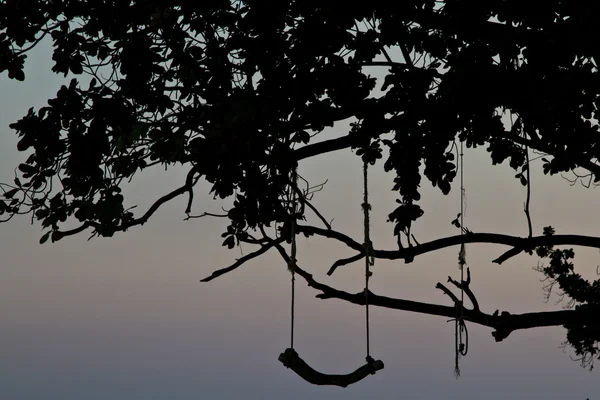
(345, 261)
(205, 214)
(303, 200)
(263, 249)
(449, 293)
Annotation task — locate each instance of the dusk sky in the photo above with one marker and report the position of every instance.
(126, 318)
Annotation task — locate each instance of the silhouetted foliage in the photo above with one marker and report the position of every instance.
(238, 91)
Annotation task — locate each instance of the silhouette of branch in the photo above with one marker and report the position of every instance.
(384, 64)
(326, 146)
(464, 285)
(519, 244)
(303, 199)
(344, 261)
(449, 293)
(541, 146)
(263, 249)
(186, 188)
(406, 55)
(204, 214)
(509, 254)
(57, 235)
(503, 324)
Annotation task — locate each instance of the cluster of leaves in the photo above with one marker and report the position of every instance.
(232, 88)
(583, 330)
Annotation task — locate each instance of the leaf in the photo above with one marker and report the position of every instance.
(42, 213)
(76, 67)
(229, 242)
(523, 180)
(11, 193)
(44, 238)
(27, 169)
(17, 74)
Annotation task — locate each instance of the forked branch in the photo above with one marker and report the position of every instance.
(503, 324)
(518, 244)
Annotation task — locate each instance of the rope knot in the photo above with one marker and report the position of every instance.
(291, 266)
(462, 256)
(368, 249)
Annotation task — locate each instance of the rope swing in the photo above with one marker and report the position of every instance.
(290, 358)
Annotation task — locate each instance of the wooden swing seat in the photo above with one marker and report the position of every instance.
(292, 360)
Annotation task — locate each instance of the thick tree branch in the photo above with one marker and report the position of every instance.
(325, 146)
(503, 324)
(519, 244)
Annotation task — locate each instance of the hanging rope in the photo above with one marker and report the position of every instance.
(292, 262)
(368, 246)
(461, 335)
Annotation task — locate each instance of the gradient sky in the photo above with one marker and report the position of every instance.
(126, 317)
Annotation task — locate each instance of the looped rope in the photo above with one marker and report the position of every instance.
(461, 339)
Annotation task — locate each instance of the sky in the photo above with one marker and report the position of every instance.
(127, 318)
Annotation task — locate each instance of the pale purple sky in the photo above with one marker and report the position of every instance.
(126, 318)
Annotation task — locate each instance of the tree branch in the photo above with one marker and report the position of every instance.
(449, 293)
(519, 244)
(503, 324)
(303, 200)
(263, 249)
(344, 261)
(187, 187)
(541, 146)
(325, 146)
(464, 285)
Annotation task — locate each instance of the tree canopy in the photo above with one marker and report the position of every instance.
(240, 92)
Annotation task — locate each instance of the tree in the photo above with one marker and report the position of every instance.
(239, 92)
